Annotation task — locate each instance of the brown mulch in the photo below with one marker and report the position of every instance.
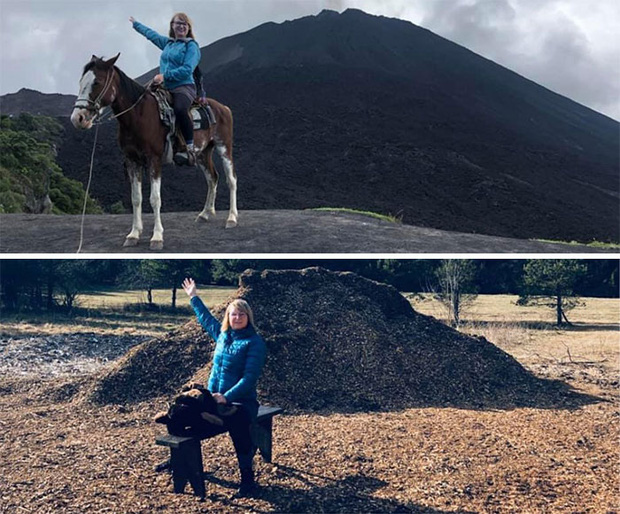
(432, 420)
(59, 456)
(342, 342)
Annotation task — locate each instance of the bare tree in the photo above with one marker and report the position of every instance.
(455, 287)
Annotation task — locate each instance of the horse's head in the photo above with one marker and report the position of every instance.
(97, 90)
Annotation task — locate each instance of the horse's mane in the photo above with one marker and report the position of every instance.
(127, 85)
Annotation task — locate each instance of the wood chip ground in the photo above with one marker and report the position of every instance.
(69, 457)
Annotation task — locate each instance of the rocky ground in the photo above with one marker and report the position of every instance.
(270, 231)
(51, 356)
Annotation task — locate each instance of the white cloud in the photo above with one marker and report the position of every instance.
(570, 46)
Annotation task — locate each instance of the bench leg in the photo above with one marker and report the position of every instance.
(186, 463)
(261, 435)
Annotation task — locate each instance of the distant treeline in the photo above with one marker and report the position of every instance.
(48, 283)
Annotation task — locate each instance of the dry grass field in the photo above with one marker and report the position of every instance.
(58, 454)
(115, 312)
(591, 346)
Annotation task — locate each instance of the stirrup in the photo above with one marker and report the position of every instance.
(185, 158)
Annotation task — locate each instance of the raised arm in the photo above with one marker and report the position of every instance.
(205, 318)
(155, 38)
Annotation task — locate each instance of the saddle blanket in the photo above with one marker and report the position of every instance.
(202, 117)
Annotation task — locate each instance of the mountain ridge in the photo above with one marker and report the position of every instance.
(375, 113)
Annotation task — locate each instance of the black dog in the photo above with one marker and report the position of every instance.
(194, 413)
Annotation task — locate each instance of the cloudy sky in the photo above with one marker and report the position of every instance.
(570, 46)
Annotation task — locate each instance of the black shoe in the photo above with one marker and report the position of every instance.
(184, 158)
(248, 486)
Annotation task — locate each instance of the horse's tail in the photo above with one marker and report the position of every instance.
(231, 126)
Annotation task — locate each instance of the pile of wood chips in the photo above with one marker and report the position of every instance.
(340, 341)
(387, 410)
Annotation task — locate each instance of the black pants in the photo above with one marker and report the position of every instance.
(239, 428)
(181, 104)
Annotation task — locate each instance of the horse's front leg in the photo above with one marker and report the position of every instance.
(134, 171)
(157, 241)
(231, 179)
(208, 169)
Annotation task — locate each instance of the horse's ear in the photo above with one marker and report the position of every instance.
(113, 60)
(93, 58)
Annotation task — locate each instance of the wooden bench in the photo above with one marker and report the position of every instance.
(186, 452)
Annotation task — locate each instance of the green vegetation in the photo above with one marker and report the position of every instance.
(552, 283)
(592, 244)
(383, 217)
(117, 208)
(29, 173)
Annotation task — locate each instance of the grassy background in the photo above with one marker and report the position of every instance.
(527, 333)
(115, 312)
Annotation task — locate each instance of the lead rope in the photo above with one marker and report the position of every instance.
(92, 157)
(90, 176)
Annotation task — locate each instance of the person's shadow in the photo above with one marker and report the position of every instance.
(351, 495)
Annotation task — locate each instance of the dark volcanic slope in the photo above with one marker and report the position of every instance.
(375, 113)
(34, 102)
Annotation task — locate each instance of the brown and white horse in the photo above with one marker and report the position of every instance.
(142, 139)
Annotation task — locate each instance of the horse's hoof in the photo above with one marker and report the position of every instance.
(231, 224)
(156, 245)
(131, 241)
(201, 218)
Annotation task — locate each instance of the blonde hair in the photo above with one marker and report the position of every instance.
(182, 17)
(243, 306)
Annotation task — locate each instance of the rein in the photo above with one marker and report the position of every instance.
(95, 105)
(146, 90)
(90, 176)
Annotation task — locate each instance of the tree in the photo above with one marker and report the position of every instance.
(226, 272)
(72, 277)
(30, 178)
(142, 274)
(551, 283)
(455, 286)
(170, 273)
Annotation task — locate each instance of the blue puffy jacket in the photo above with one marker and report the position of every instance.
(237, 361)
(178, 59)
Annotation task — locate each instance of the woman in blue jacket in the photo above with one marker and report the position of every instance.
(180, 55)
(238, 360)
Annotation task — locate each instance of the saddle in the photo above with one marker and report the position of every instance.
(202, 117)
(168, 119)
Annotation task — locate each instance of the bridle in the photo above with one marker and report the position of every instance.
(95, 105)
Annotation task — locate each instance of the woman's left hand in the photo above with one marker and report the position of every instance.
(189, 286)
(158, 79)
(219, 398)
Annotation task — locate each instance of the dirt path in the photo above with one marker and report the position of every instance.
(281, 231)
